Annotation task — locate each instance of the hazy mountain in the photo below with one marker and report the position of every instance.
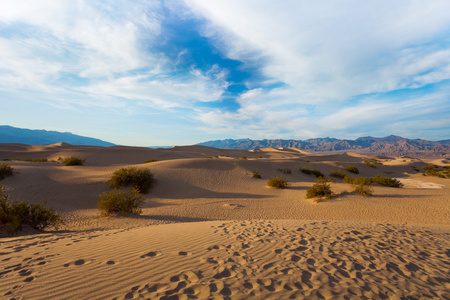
(10, 134)
(389, 146)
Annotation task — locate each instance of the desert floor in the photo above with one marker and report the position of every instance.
(209, 230)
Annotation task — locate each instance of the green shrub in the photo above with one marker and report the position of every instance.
(74, 161)
(386, 181)
(120, 202)
(430, 171)
(319, 189)
(363, 189)
(361, 185)
(5, 171)
(338, 174)
(352, 169)
(256, 174)
(244, 157)
(14, 214)
(150, 160)
(315, 172)
(141, 179)
(278, 182)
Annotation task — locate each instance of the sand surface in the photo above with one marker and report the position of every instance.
(210, 231)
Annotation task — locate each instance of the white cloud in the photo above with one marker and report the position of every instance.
(91, 53)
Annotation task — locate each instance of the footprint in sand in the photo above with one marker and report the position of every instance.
(151, 254)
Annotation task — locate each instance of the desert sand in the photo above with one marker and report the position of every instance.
(210, 231)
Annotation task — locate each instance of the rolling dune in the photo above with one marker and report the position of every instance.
(210, 231)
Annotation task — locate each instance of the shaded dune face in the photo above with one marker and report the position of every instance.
(236, 238)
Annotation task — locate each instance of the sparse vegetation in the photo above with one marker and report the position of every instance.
(386, 181)
(361, 185)
(120, 202)
(414, 168)
(315, 172)
(352, 169)
(150, 160)
(338, 174)
(14, 214)
(430, 171)
(243, 157)
(321, 189)
(372, 163)
(5, 171)
(74, 161)
(285, 171)
(278, 182)
(26, 159)
(256, 174)
(141, 179)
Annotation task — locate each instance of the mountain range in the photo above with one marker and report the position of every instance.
(387, 146)
(9, 134)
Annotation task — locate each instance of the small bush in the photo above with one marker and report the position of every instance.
(256, 174)
(14, 214)
(386, 181)
(338, 174)
(277, 182)
(363, 189)
(319, 189)
(315, 172)
(26, 159)
(361, 185)
(430, 171)
(305, 171)
(141, 179)
(243, 157)
(352, 169)
(5, 171)
(74, 161)
(120, 202)
(150, 161)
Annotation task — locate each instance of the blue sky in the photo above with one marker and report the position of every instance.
(149, 73)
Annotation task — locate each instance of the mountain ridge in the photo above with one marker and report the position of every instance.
(388, 146)
(10, 134)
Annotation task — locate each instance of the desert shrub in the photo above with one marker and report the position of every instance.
(361, 185)
(363, 189)
(319, 189)
(305, 171)
(372, 163)
(120, 202)
(243, 157)
(74, 161)
(430, 171)
(285, 171)
(352, 169)
(150, 160)
(338, 174)
(315, 172)
(141, 179)
(386, 181)
(14, 214)
(278, 182)
(5, 171)
(256, 174)
(26, 159)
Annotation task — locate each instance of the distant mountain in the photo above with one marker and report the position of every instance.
(388, 146)
(9, 134)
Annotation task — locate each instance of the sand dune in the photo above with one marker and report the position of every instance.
(231, 236)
